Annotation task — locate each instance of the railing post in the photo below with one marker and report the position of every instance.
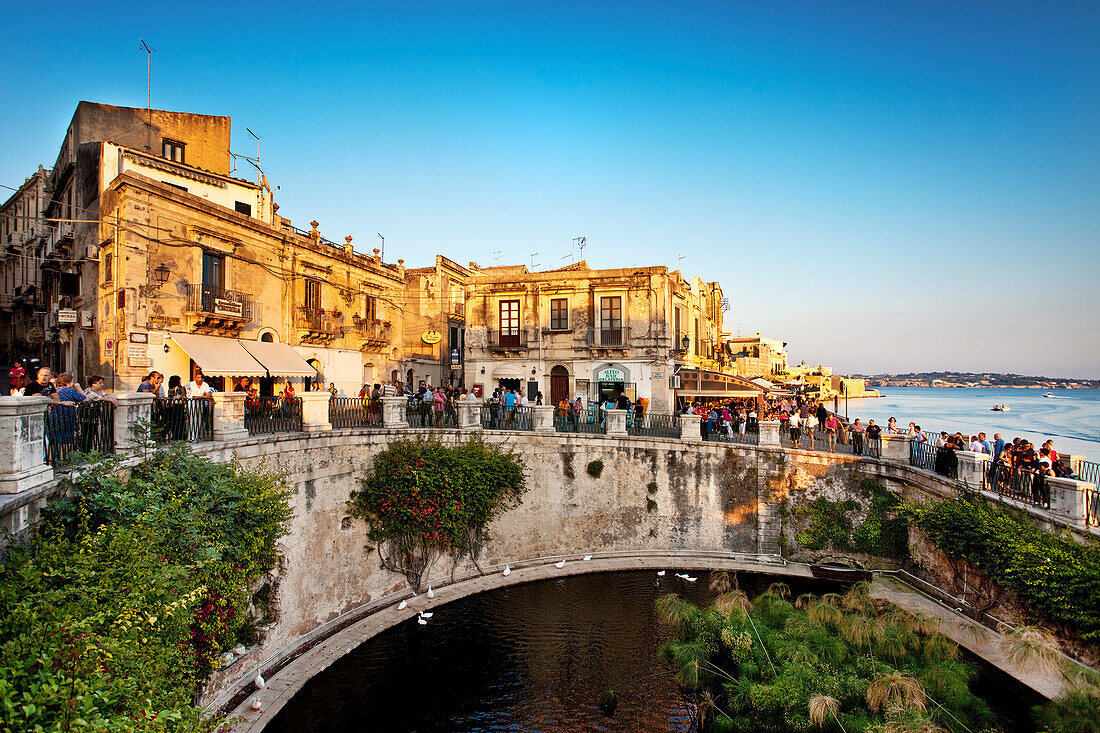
(972, 468)
(769, 434)
(22, 466)
(133, 407)
(315, 410)
(691, 429)
(469, 415)
(542, 419)
(615, 422)
(229, 416)
(1068, 497)
(393, 413)
(896, 447)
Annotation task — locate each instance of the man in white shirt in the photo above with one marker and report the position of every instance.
(975, 444)
(199, 388)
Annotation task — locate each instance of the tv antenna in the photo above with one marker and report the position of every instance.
(259, 171)
(533, 265)
(149, 77)
(383, 246)
(578, 243)
(496, 257)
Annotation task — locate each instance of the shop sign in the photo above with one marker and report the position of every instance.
(136, 352)
(658, 375)
(226, 307)
(431, 337)
(456, 359)
(66, 316)
(610, 375)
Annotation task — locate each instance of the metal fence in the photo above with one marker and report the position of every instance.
(1092, 507)
(354, 412)
(264, 415)
(498, 417)
(182, 418)
(727, 433)
(577, 424)
(1088, 471)
(655, 425)
(424, 414)
(1018, 484)
(88, 427)
(939, 460)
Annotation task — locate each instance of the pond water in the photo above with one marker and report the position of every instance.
(531, 657)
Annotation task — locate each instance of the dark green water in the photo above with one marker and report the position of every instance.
(532, 657)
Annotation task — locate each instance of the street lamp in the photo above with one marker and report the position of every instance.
(160, 276)
(685, 344)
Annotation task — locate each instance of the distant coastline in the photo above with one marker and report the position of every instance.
(969, 380)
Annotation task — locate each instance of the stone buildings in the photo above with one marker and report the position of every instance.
(757, 356)
(589, 333)
(25, 237)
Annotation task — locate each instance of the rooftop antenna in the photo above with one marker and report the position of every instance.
(679, 262)
(533, 265)
(496, 257)
(259, 171)
(383, 246)
(149, 75)
(578, 242)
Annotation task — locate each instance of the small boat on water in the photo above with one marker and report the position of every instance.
(999, 408)
(1049, 394)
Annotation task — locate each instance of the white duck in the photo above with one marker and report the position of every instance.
(402, 605)
(507, 570)
(431, 593)
(559, 565)
(587, 557)
(260, 682)
(426, 614)
(420, 620)
(661, 573)
(256, 704)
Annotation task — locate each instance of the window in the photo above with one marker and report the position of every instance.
(242, 208)
(677, 328)
(213, 280)
(611, 321)
(313, 295)
(370, 308)
(696, 336)
(509, 323)
(172, 150)
(559, 314)
(107, 262)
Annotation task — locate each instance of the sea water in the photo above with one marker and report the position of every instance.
(1071, 418)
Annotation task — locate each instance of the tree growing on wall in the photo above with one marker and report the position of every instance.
(424, 499)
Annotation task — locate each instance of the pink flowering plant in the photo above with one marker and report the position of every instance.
(424, 499)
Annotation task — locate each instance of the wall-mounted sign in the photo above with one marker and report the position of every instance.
(66, 316)
(226, 307)
(156, 321)
(658, 375)
(431, 337)
(610, 375)
(136, 351)
(456, 359)
(109, 346)
(139, 338)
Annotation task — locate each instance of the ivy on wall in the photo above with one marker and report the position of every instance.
(884, 531)
(423, 499)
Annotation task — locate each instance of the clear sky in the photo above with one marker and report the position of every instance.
(887, 186)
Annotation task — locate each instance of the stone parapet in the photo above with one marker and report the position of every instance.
(542, 419)
(393, 413)
(133, 409)
(315, 411)
(1069, 497)
(895, 447)
(469, 415)
(229, 416)
(691, 429)
(972, 468)
(22, 453)
(615, 422)
(769, 434)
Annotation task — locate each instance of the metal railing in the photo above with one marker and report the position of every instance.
(507, 338)
(939, 460)
(724, 432)
(609, 337)
(498, 417)
(581, 423)
(219, 302)
(319, 321)
(1017, 483)
(1088, 471)
(182, 418)
(263, 415)
(655, 425)
(1092, 507)
(86, 428)
(354, 412)
(423, 414)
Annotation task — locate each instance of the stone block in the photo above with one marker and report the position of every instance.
(134, 408)
(469, 415)
(1068, 497)
(615, 422)
(972, 468)
(691, 428)
(229, 416)
(769, 433)
(22, 455)
(393, 413)
(896, 447)
(543, 419)
(315, 411)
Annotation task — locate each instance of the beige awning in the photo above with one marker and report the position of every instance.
(279, 359)
(219, 357)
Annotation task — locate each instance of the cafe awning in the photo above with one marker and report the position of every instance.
(279, 359)
(219, 357)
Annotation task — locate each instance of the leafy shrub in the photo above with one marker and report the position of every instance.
(424, 498)
(133, 585)
(829, 524)
(595, 468)
(879, 535)
(1054, 576)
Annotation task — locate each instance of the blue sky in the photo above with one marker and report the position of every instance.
(885, 186)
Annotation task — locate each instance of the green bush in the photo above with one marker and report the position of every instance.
(133, 584)
(830, 525)
(1055, 577)
(424, 498)
(595, 468)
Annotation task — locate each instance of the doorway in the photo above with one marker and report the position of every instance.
(559, 384)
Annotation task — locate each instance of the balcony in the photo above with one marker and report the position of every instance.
(507, 339)
(320, 326)
(217, 311)
(376, 335)
(609, 338)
